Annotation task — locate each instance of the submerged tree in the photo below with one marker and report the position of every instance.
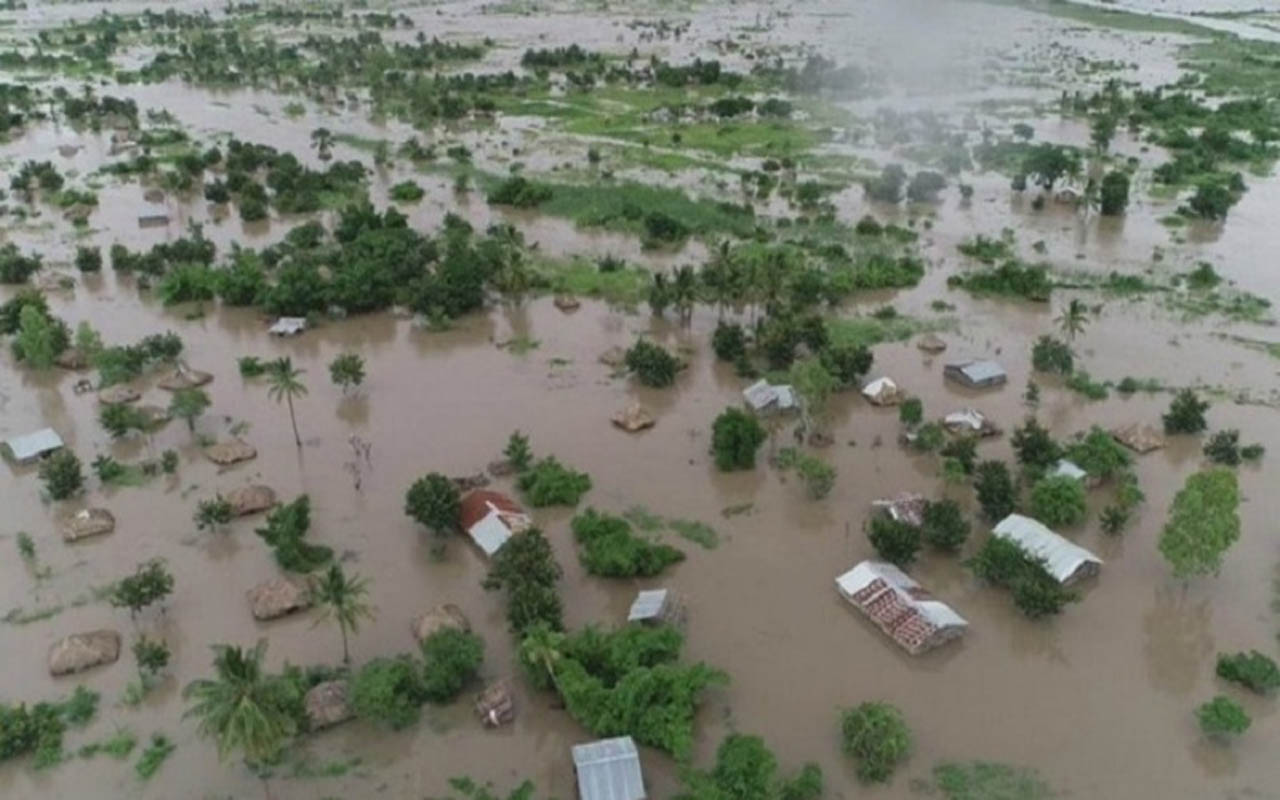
(1203, 523)
(1073, 318)
(347, 371)
(284, 383)
(189, 404)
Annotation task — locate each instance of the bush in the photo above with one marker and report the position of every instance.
(526, 569)
(214, 513)
(611, 550)
(517, 452)
(89, 259)
(1114, 193)
(1035, 591)
(150, 583)
(1053, 356)
(520, 192)
(846, 362)
(944, 525)
(895, 541)
(549, 483)
(1186, 414)
(1058, 500)
(62, 474)
(1222, 718)
(652, 364)
(1203, 523)
(407, 192)
(735, 438)
(729, 341)
(875, 736)
(924, 186)
(1099, 454)
(963, 450)
(818, 476)
(1253, 670)
(995, 490)
(451, 658)
(15, 267)
(434, 501)
(911, 412)
(285, 528)
(388, 691)
(1010, 279)
(928, 438)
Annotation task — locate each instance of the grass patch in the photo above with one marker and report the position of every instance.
(633, 208)
(20, 616)
(621, 287)
(984, 780)
(1114, 19)
(699, 533)
(868, 331)
(119, 745)
(154, 756)
(643, 519)
(305, 768)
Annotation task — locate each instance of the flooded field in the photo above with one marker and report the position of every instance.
(1096, 702)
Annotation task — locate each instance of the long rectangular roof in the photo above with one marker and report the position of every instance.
(647, 605)
(899, 606)
(978, 372)
(33, 445)
(609, 769)
(1063, 558)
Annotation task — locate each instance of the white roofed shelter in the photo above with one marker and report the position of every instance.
(609, 769)
(1065, 560)
(31, 447)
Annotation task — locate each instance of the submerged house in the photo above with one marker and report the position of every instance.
(491, 518)
(764, 397)
(288, 326)
(32, 447)
(882, 392)
(609, 769)
(656, 606)
(900, 607)
(1065, 560)
(907, 507)
(976, 374)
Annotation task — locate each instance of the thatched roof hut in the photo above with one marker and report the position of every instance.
(86, 523)
(247, 500)
(495, 706)
(230, 452)
(439, 618)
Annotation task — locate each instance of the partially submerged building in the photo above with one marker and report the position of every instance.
(976, 374)
(656, 606)
(970, 422)
(907, 507)
(288, 326)
(882, 392)
(1066, 561)
(763, 397)
(900, 607)
(609, 769)
(31, 447)
(1068, 469)
(491, 518)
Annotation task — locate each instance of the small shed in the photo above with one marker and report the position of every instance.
(1065, 560)
(900, 607)
(1141, 439)
(976, 374)
(763, 396)
(30, 448)
(152, 220)
(656, 606)
(609, 769)
(496, 706)
(882, 392)
(970, 422)
(907, 507)
(491, 518)
(1068, 469)
(288, 326)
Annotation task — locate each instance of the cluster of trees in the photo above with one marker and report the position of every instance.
(391, 691)
(876, 737)
(735, 437)
(526, 570)
(1203, 523)
(652, 364)
(285, 533)
(62, 474)
(943, 526)
(1036, 592)
(39, 729)
(1013, 278)
(610, 549)
(746, 769)
(887, 187)
(150, 583)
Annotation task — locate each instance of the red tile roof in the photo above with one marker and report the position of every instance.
(477, 504)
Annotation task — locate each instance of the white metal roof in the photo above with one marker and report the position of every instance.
(878, 387)
(761, 395)
(908, 591)
(491, 532)
(1062, 557)
(288, 326)
(979, 371)
(647, 605)
(1069, 469)
(33, 445)
(970, 418)
(609, 770)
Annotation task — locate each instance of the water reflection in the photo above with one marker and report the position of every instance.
(1177, 641)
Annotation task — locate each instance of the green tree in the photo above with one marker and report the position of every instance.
(1048, 163)
(1058, 500)
(895, 541)
(62, 474)
(150, 583)
(944, 526)
(875, 736)
(735, 438)
(89, 259)
(550, 483)
(1073, 318)
(343, 599)
(1222, 718)
(213, 514)
(746, 769)
(911, 412)
(541, 650)
(1254, 670)
(434, 501)
(1115, 193)
(1035, 448)
(450, 659)
(189, 404)
(813, 386)
(1101, 131)
(1203, 523)
(1052, 355)
(121, 419)
(347, 371)
(1186, 413)
(729, 342)
(284, 382)
(652, 364)
(526, 569)
(1212, 201)
(242, 708)
(995, 489)
(322, 141)
(517, 452)
(151, 655)
(388, 691)
(40, 338)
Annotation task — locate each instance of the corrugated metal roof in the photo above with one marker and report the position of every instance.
(609, 770)
(899, 606)
(762, 395)
(1063, 558)
(966, 419)
(647, 605)
(33, 445)
(288, 326)
(878, 388)
(978, 372)
(1070, 469)
(490, 534)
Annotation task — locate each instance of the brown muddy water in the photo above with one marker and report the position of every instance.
(1099, 700)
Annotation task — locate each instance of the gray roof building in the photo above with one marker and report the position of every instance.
(32, 446)
(609, 769)
(976, 373)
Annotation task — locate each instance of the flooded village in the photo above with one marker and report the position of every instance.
(664, 399)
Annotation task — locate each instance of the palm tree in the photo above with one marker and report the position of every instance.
(243, 708)
(1073, 318)
(542, 647)
(343, 599)
(283, 383)
(685, 292)
(322, 141)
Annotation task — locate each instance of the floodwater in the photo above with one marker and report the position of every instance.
(1099, 700)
